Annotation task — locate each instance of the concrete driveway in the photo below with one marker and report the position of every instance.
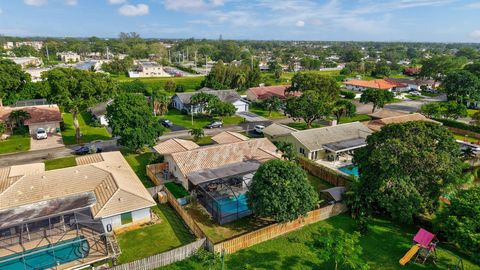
(407, 106)
(54, 140)
(251, 117)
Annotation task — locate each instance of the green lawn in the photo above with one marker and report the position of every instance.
(15, 143)
(471, 112)
(205, 140)
(177, 190)
(262, 112)
(217, 232)
(317, 183)
(89, 133)
(152, 239)
(303, 125)
(413, 97)
(138, 162)
(358, 117)
(53, 164)
(189, 83)
(383, 246)
(462, 137)
(199, 121)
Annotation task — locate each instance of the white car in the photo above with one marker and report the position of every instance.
(259, 129)
(415, 93)
(41, 134)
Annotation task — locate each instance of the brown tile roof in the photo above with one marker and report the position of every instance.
(224, 154)
(385, 113)
(229, 137)
(376, 84)
(376, 125)
(264, 92)
(174, 145)
(115, 185)
(39, 114)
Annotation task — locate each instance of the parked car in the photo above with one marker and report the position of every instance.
(259, 129)
(88, 149)
(41, 134)
(166, 123)
(415, 93)
(215, 124)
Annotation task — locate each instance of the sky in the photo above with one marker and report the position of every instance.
(343, 20)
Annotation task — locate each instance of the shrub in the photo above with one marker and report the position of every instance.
(459, 125)
(347, 94)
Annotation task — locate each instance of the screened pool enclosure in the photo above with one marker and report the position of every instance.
(222, 190)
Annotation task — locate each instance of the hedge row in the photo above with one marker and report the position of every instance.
(456, 124)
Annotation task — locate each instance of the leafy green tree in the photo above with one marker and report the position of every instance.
(432, 109)
(325, 85)
(160, 102)
(276, 68)
(280, 190)
(343, 108)
(118, 66)
(382, 69)
(197, 133)
(203, 100)
(474, 68)
(340, 247)
(17, 118)
(439, 66)
(220, 109)
(462, 86)
(404, 169)
(75, 90)
(25, 51)
(287, 149)
(3, 128)
(460, 221)
(310, 106)
(12, 81)
(454, 110)
(170, 86)
(135, 86)
(476, 118)
(130, 117)
(272, 104)
(377, 97)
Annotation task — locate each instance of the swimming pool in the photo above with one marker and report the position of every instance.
(48, 256)
(350, 169)
(228, 205)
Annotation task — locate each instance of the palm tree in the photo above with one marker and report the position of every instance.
(240, 80)
(197, 133)
(17, 118)
(344, 108)
(160, 103)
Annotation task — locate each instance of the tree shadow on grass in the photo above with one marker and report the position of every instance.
(177, 225)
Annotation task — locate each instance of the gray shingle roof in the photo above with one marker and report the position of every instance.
(224, 95)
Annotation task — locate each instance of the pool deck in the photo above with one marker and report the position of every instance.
(335, 165)
(98, 249)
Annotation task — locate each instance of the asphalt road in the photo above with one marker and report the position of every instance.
(407, 106)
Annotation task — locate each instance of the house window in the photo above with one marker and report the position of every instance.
(302, 151)
(314, 155)
(126, 218)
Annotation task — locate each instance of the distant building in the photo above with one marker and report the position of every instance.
(181, 101)
(362, 85)
(264, 92)
(148, 69)
(37, 45)
(413, 84)
(377, 124)
(26, 62)
(99, 112)
(36, 73)
(68, 57)
(8, 45)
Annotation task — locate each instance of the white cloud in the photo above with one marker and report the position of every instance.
(300, 24)
(185, 5)
(217, 3)
(117, 2)
(134, 10)
(475, 35)
(36, 3)
(1, 11)
(71, 2)
(473, 6)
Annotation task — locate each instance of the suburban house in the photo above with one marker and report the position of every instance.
(226, 137)
(413, 84)
(321, 143)
(148, 69)
(36, 72)
(362, 85)
(69, 57)
(377, 124)
(218, 175)
(26, 62)
(99, 112)
(37, 45)
(75, 208)
(264, 92)
(47, 117)
(181, 101)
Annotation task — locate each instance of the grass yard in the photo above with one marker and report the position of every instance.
(177, 190)
(59, 163)
(205, 140)
(462, 137)
(383, 246)
(317, 183)
(355, 118)
(152, 239)
(15, 143)
(199, 121)
(262, 112)
(217, 232)
(189, 83)
(303, 125)
(471, 112)
(138, 162)
(413, 97)
(89, 133)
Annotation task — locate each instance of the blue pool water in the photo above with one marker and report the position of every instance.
(229, 205)
(44, 258)
(350, 169)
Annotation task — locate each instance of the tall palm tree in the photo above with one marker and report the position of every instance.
(240, 80)
(197, 133)
(17, 118)
(160, 102)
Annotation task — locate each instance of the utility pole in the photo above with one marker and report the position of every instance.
(108, 54)
(48, 55)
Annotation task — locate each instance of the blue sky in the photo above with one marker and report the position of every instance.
(377, 20)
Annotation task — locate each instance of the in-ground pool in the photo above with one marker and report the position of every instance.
(228, 205)
(350, 169)
(48, 256)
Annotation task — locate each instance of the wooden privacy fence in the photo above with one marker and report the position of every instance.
(274, 230)
(192, 225)
(155, 172)
(163, 259)
(330, 175)
(465, 132)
